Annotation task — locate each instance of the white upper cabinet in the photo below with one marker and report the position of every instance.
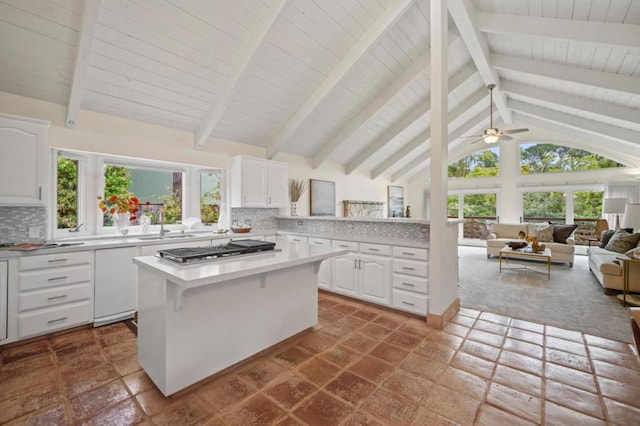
(259, 183)
(23, 160)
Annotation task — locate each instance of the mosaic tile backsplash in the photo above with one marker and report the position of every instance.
(15, 223)
(261, 219)
(379, 229)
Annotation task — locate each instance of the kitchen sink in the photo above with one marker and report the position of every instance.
(179, 236)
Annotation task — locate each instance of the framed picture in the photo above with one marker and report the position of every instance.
(395, 201)
(323, 197)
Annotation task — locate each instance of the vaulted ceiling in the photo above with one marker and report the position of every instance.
(343, 81)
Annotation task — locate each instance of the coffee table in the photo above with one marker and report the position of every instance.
(507, 252)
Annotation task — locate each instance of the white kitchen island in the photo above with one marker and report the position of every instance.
(196, 320)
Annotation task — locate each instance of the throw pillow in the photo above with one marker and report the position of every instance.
(634, 253)
(622, 242)
(605, 237)
(544, 233)
(562, 232)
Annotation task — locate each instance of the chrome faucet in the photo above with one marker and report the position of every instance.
(161, 218)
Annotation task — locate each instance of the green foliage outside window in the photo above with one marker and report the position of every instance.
(67, 193)
(543, 205)
(588, 204)
(480, 164)
(483, 205)
(548, 158)
(452, 205)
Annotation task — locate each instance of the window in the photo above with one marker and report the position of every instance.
(477, 209)
(479, 164)
(69, 214)
(210, 196)
(548, 158)
(150, 185)
(544, 206)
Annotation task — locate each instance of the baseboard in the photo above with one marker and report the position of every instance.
(440, 321)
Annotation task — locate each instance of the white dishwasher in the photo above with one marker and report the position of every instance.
(116, 285)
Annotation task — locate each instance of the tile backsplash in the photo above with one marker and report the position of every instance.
(15, 223)
(261, 219)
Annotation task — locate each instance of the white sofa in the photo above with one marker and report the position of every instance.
(609, 273)
(501, 233)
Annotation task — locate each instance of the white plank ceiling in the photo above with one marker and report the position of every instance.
(344, 81)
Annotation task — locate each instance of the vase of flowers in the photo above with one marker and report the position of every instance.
(122, 208)
(296, 188)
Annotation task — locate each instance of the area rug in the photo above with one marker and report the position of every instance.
(572, 299)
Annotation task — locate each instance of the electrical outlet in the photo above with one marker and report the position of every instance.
(34, 232)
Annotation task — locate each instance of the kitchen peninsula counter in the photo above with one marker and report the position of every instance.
(198, 319)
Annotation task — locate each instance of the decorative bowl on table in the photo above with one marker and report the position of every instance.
(517, 244)
(241, 229)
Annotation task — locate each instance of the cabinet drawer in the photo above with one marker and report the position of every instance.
(56, 318)
(410, 253)
(54, 296)
(375, 249)
(319, 242)
(53, 277)
(297, 239)
(411, 302)
(411, 267)
(411, 283)
(349, 245)
(27, 263)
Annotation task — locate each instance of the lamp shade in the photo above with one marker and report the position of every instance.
(614, 205)
(631, 216)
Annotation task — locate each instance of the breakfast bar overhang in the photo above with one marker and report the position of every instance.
(196, 320)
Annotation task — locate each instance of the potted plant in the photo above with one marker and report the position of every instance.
(296, 188)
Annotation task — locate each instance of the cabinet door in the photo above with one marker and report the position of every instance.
(116, 289)
(4, 287)
(278, 185)
(375, 278)
(254, 183)
(345, 274)
(23, 163)
(324, 274)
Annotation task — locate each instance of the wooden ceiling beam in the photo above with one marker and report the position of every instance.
(416, 114)
(90, 12)
(261, 37)
(386, 20)
(463, 14)
(607, 33)
(604, 80)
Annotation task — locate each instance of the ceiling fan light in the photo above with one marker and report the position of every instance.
(491, 138)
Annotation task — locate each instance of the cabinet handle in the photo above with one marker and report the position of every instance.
(56, 320)
(40, 193)
(57, 278)
(57, 260)
(355, 264)
(343, 245)
(408, 269)
(409, 284)
(373, 249)
(317, 242)
(408, 254)
(408, 303)
(359, 263)
(62, 296)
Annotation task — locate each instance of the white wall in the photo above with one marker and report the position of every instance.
(102, 133)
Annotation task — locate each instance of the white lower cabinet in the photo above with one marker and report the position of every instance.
(410, 280)
(296, 239)
(324, 274)
(54, 292)
(375, 278)
(116, 285)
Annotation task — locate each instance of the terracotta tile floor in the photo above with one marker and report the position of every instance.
(360, 365)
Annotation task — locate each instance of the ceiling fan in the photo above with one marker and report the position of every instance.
(492, 134)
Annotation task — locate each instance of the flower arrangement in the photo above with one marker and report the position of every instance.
(120, 204)
(296, 188)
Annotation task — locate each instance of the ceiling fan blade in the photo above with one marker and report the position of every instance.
(505, 138)
(508, 132)
(471, 136)
(477, 140)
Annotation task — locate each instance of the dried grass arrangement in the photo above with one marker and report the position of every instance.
(296, 188)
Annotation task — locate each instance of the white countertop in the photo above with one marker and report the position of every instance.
(206, 273)
(400, 220)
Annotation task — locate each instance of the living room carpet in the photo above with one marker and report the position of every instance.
(572, 299)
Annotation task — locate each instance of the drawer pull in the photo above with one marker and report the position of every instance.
(57, 278)
(62, 296)
(408, 303)
(408, 254)
(408, 269)
(56, 320)
(343, 245)
(409, 284)
(373, 249)
(57, 260)
(317, 242)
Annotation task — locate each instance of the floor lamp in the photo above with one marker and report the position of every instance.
(614, 206)
(631, 216)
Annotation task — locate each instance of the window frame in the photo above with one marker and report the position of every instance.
(82, 209)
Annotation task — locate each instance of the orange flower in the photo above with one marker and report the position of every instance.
(120, 203)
